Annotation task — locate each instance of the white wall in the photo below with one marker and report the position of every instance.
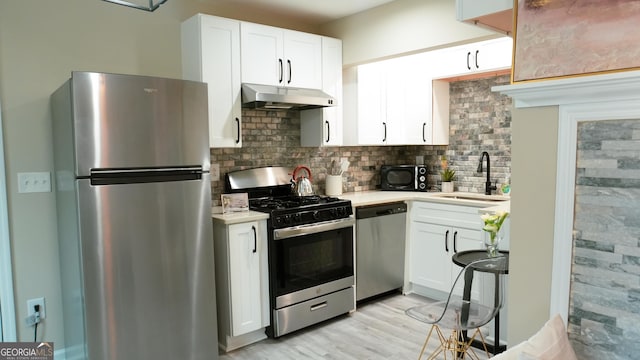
(402, 26)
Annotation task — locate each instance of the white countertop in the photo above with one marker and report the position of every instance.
(373, 197)
(480, 201)
(236, 217)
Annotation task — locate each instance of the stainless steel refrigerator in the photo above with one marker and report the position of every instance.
(134, 218)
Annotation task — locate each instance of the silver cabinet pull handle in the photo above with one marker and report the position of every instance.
(318, 306)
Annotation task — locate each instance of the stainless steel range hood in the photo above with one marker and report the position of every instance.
(273, 97)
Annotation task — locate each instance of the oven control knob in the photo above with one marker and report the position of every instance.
(297, 217)
(333, 213)
(316, 215)
(342, 211)
(287, 219)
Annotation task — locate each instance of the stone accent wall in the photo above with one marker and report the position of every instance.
(604, 308)
(480, 120)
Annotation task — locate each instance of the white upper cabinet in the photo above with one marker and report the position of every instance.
(393, 103)
(418, 115)
(493, 14)
(371, 105)
(323, 127)
(496, 54)
(280, 57)
(211, 54)
(473, 58)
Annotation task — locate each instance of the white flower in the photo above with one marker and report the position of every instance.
(490, 228)
(493, 222)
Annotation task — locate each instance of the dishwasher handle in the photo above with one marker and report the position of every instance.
(370, 211)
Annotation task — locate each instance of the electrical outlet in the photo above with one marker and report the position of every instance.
(215, 172)
(31, 303)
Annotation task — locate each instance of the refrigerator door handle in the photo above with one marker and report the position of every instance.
(148, 175)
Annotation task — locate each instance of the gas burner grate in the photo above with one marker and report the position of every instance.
(289, 202)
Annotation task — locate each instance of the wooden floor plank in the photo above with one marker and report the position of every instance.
(377, 330)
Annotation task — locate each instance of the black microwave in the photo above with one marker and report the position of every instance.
(403, 177)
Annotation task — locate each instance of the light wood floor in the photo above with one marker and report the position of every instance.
(377, 330)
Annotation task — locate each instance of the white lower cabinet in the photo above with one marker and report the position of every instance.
(437, 232)
(241, 282)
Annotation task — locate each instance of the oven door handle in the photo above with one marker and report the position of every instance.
(279, 234)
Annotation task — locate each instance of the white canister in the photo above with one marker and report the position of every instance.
(333, 185)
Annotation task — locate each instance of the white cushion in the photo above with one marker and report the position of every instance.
(549, 343)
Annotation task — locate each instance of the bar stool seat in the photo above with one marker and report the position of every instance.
(456, 315)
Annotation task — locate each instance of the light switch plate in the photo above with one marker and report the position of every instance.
(30, 182)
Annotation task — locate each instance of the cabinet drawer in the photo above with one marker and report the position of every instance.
(446, 214)
(297, 316)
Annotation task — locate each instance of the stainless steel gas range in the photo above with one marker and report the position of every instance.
(311, 249)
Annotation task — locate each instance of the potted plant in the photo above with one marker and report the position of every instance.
(448, 175)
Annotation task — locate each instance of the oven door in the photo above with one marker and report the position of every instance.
(311, 260)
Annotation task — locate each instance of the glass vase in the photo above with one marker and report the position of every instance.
(491, 242)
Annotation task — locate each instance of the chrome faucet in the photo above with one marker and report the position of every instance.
(487, 185)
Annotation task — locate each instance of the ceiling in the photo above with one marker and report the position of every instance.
(312, 11)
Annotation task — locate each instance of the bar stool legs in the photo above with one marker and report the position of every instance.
(454, 344)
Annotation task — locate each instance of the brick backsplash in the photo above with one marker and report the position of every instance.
(480, 121)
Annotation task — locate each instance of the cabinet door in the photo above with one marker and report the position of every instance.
(417, 84)
(332, 85)
(323, 127)
(211, 54)
(245, 278)
(473, 58)
(495, 54)
(452, 61)
(467, 239)
(430, 256)
(262, 54)
(222, 74)
(371, 89)
(395, 78)
(302, 60)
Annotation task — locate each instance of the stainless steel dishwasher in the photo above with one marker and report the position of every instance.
(380, 240)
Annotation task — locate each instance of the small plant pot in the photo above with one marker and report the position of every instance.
(447, 186)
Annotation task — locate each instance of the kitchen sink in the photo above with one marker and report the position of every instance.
(473, 196)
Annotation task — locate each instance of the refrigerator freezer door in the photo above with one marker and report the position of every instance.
(148, 274)
(126, 121)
